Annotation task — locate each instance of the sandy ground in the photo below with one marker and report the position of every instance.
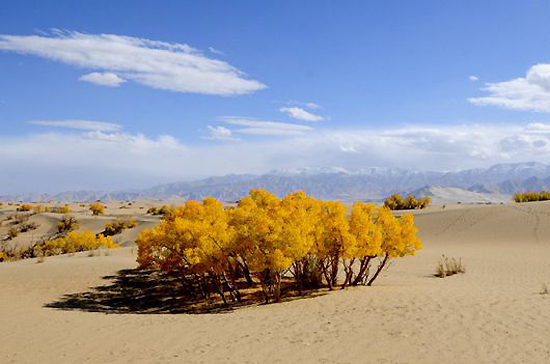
(492, 314)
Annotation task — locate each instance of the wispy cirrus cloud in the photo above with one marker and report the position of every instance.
(220, 133)
(264, 127)
(300, 114)
(79, 124)
(103, 79)
(531, 92)
(161, 65)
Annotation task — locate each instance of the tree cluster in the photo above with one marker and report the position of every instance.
(531, 196)
(266, 240)
(396, 202)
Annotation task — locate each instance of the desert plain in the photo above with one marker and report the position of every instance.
(86, 309)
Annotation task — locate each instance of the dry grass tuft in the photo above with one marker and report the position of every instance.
(448, 267)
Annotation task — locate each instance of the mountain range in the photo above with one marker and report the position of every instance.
(495, 183)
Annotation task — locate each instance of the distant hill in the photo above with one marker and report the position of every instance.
(477, 185)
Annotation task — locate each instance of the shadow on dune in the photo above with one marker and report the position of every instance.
(152, 292)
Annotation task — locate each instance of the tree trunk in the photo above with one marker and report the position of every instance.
(380, 267)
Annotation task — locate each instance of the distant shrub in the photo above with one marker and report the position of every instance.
(3, 256)
(119, 225)
(163, 211)
(530, 196)
(396, 202)
(65, 209)
(28, 226)
(448, 267)
(38, 209)
(12, 233)
(20, 218)
(24, 208)
(67, 223)
(75, 242)
(97, 208)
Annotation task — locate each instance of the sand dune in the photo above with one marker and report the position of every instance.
(492, 314)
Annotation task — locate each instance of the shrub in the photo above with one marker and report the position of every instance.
(65, 209)
(3, 256)
(396, 202)
(75, 242)
(66, 224)
(117, 226)
(12, 233)
(531, 196)
(28, 226)
(97, 208)
(448, 267)
(24, 208)
(163, 211)
(38, 209)
(265, 237)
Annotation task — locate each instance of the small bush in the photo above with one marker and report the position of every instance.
(65, 209)
(24, 208)
(396, 202)
(448, 267)
(38, 209)
(545, 290)
(117, 226)
(12, 233)
(97, 208)
(28, 226)
(530, 196)
(152, 210)
(20, 219)
(67, 223)
(75, 242)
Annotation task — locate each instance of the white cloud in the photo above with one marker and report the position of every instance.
(473, 78)
(531, 92)
(312, 105)
(162, 65)
(300, 114)
(111, 160)
(215, 51)
(108, 79)
(263, 127)
(220, 133)
(79, 124)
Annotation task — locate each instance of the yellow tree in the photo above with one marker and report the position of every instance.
(333, 239)
(97, 208)
(258, 226)
(300, 219)
(367, 242)
(398, 238)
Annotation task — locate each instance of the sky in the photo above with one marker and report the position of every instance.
(108, 95)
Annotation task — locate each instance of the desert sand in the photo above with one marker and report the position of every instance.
(494, 313)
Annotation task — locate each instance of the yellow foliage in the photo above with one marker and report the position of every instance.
(65, 209)
(24, 207)
(266, 236)
(531, 196)
(396, 202)
(97, 208)
(77, 241)
(38, 209)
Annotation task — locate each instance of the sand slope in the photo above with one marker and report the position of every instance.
(492, 314)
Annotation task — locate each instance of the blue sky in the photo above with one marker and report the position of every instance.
(125, 94)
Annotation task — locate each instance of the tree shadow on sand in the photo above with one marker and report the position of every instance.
(152, 292)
